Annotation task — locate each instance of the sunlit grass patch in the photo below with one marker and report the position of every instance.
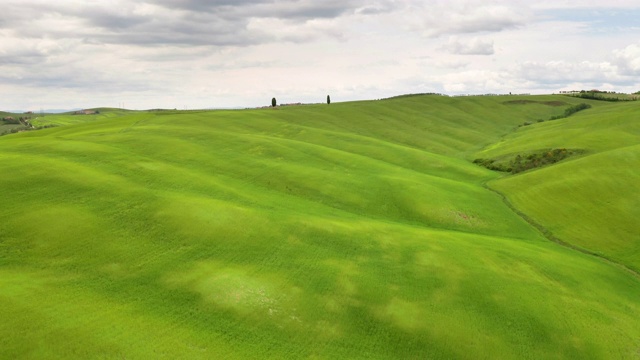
(246, 290)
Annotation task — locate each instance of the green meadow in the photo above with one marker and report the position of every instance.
(357, 230)
(72, 118)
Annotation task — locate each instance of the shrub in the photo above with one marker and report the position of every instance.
(522, 163)
(571, 110)
(11, 120)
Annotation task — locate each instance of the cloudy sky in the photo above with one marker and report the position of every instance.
(240, 53)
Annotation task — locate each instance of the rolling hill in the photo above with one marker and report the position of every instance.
(350, 230)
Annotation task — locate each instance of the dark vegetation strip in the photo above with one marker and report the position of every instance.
(571, 110)
(549, 235)
(567, 112)
(604, 96)
(522, 163)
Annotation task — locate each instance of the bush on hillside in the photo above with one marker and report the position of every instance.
(571, 110)
(11, 120)
(522, 163)
(15, 130)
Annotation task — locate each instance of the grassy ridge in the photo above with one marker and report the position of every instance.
(590, 201)
(71, 118)
(355, 230)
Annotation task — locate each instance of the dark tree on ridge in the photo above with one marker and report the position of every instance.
(273, 102)
(328, 99)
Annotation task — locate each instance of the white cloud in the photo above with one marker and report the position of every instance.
(468, 17)
(584, 4)
(560, 72)
(620, 69)
(628, 60)
(199, 53)
(476, 81)
(284, 30)
(474, 46)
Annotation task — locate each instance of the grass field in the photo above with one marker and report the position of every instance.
(71, 118)
(350, 230)
(591, 201)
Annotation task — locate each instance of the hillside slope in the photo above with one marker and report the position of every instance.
(591, 201)
(350, 230)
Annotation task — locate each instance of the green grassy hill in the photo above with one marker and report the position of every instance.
(350, 230)
(71, 118)
(591, 201)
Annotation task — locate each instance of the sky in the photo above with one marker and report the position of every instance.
(196, 54)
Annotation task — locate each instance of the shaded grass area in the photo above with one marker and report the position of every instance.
(357, 230)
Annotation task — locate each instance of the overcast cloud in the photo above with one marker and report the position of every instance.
(241, 53)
